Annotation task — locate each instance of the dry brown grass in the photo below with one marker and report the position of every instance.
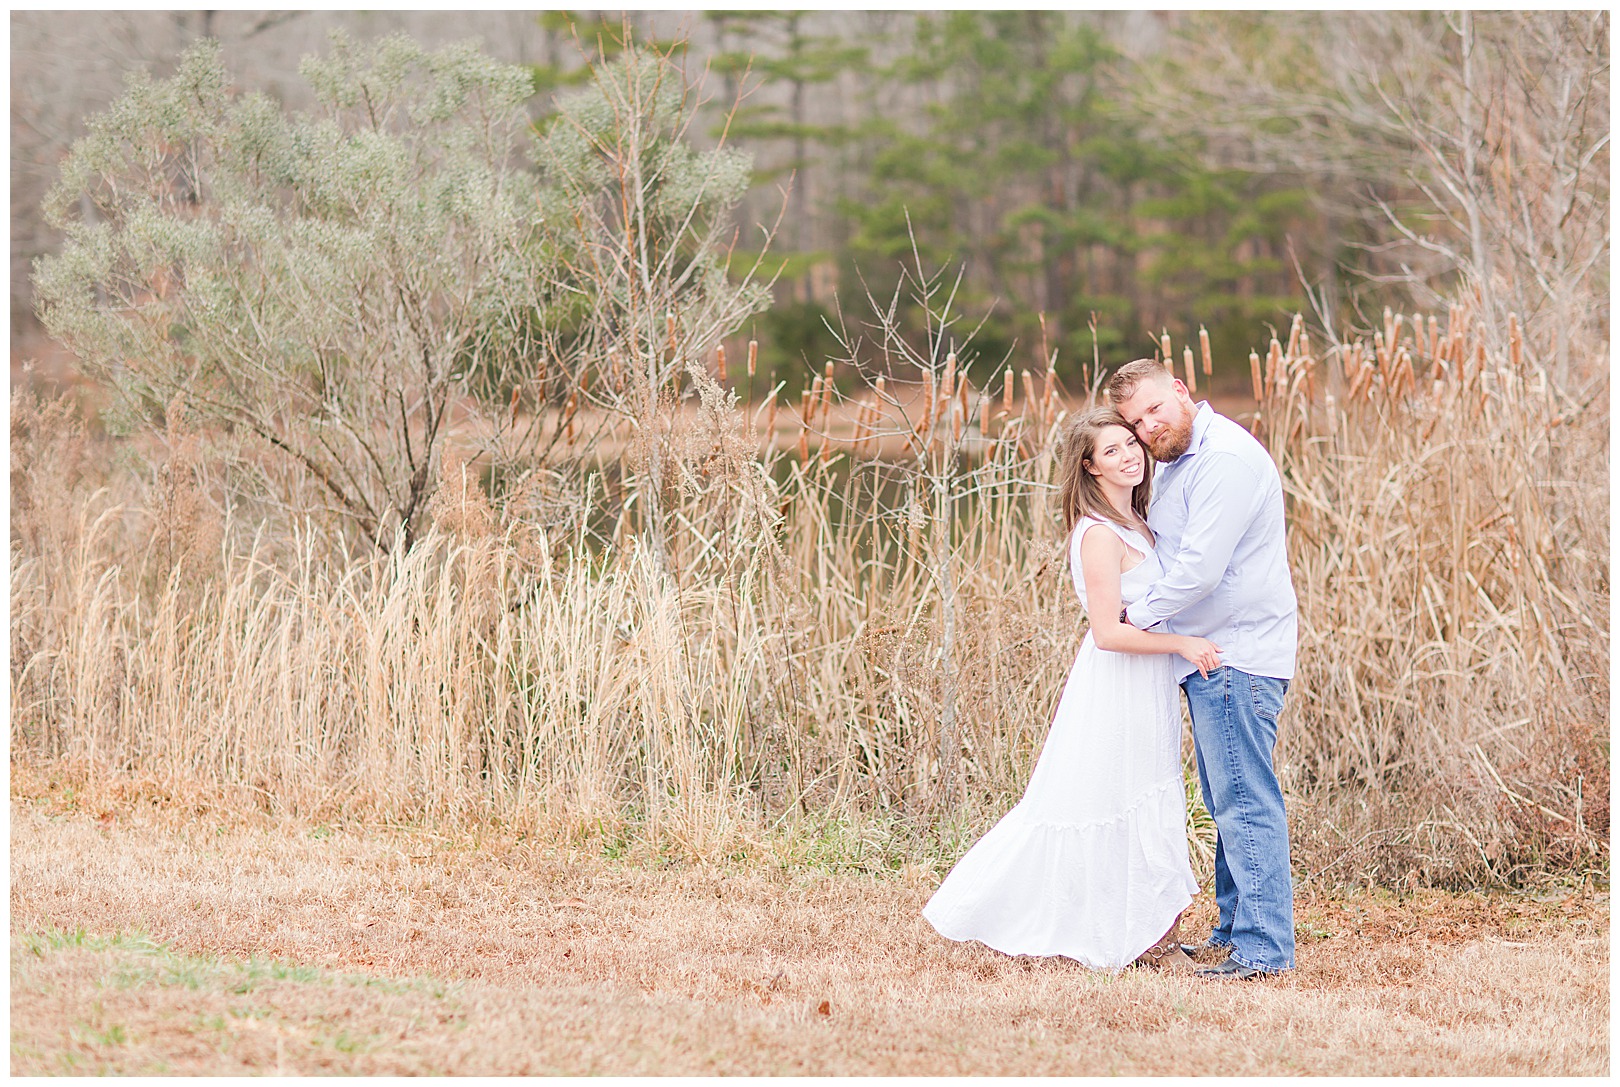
(244, 945)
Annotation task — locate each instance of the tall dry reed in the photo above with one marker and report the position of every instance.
(1448, 530)
(865, 618)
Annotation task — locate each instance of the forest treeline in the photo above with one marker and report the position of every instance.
(1022, 147)
(1098, 177)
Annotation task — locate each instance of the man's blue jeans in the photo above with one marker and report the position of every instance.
(1234, 720)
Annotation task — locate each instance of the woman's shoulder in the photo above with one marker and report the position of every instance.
(1085, 525)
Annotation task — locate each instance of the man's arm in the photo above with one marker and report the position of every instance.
(1222, 498)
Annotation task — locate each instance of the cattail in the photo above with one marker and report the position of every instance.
(811, 403)
(1294, 331)
(1274, 368)
(1007, 391)
(930, 394)
(1363, 374)
(949, 385)
(669, 324)
(1304, 345)
(1515, 347)
(1049, 398)
(804, 444)
(1203, 349)
(1389, 333)
(1029, 390)
(720, 360)
(1310, 378)
(1164, 352)
(1405, 376)
(569, 409)
(753, 356)
(517, 391)
(1254, 375)
(984, 418)
(1434, 336)
(1187, 364)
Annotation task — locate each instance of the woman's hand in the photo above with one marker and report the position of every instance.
(1204, 654)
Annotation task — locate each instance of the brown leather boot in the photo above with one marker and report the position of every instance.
(1166, 954)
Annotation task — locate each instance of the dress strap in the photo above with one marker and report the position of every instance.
(1130, 537)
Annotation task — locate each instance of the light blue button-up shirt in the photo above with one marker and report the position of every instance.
(1217, 520)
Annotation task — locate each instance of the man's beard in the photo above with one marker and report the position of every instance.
(1172, 441)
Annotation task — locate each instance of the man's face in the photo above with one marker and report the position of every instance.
(1161, 412)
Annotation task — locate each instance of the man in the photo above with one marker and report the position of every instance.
(1217, 519)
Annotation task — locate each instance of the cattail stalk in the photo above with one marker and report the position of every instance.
(753, 356)
(1192, 374)
(1203, 349)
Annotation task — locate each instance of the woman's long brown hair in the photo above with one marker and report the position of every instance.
(1078, 490)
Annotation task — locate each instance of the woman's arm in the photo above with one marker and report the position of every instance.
(1101, 554)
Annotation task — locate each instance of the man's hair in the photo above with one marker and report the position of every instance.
(1132, 374)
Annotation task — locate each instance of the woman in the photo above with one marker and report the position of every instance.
(1092, 862)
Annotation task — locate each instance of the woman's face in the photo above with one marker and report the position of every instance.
(1117, 458)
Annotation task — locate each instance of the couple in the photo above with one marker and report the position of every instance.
(1092, 862)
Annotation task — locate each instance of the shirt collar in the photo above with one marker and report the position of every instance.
(1202, 418)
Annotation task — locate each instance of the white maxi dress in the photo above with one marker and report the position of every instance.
(1092, 863)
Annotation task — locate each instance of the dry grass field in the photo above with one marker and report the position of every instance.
(145, 941)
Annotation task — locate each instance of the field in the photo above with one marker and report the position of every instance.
(144, 941)
(442, 641)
